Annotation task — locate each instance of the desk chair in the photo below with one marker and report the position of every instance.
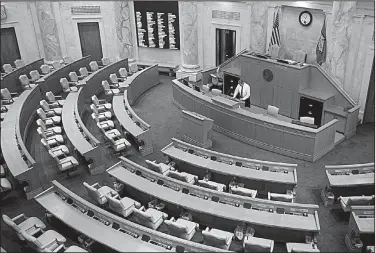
(160, 168)
(211, 185)
(56, 64)
(272, 111)
(111, 134)
(45, 69)
(274, 51)
(217, 238)
(106, 61)
(52, 100)
(181, 228)
(57, 151)
(101, 115)
(101, 104)
(216, 92)
(64, 162)
(7, 96)
(115, 80)
(19, 63)
(29, 225)
(182, 176)
(67, 59)
(49, 111)
(110, 89)
(74, 78)
(93, 66)
(99, 193)
(205, 88)
(48, 120)
(123, 206)
(5, 187)
(75, 249)
(65, 85)
(119, 144)
(281, 197)
(105, 125)
(25, 82)
(300, 56)
(49, 241)
(255, 244)
(52, 140)
(49, 131)
(150, 218)
(123, 73)
(83, 72)
(7, 68)
(34, 74)
(308, 120)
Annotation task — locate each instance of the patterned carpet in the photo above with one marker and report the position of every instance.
(157, 109)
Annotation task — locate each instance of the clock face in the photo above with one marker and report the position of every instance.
(305, 18)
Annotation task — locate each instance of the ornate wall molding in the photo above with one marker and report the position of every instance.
(86, 9)
(225, 15)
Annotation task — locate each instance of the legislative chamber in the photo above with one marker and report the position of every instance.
(187, 126)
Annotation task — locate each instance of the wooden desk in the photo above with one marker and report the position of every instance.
(75, 131)
(18, 159)
(213, 195)
(117, 232)
(11, 81)
(270, 176)
(258, 130)
(140, 82)
(128, 119)
(284, 227)
(51, 81)
(300, 247)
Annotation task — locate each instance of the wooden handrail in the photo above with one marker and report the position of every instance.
(230, 59)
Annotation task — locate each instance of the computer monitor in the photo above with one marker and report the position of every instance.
(197, 88)
(185, 82)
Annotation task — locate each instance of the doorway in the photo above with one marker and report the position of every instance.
(9, 46)
(225, 45)
(90, 40)
(369, 111)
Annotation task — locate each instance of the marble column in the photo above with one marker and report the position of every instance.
(48, 28)
(124, 32)
(342, 16)
(259, 26)
(188, 15)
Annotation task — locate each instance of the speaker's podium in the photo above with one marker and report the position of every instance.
(196, 129)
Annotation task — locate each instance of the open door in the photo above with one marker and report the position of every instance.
(9, 46)
(90, 39)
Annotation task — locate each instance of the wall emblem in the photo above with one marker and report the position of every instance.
(268, 75)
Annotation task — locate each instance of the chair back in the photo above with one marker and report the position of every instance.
(308, 120)
(44, 105)
(213, 240)
(45, 69)
(83, 71)
(95, 100)
(56, 64)
(7, 68)
(93, 66)
(6, 94)
(176, 228)
(272, 110)
(113, 78)
(105, 85)
(41, 113)
(33, 242)
(92, 192)
(50, 96)
(94, 109)
(274, 51)
(11, 223)
(41, 124)
(52, 154)
(73, 76)
(24, 80)
(67, 59)
(45, 143)
(123, 72)
(64, 83)
(115, 204)
(216, 92)
(106, 61)
(41, 133)
(34, 75)
(19, 63)
(300, 56)
(154, 166)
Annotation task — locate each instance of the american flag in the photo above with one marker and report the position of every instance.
(275, 39)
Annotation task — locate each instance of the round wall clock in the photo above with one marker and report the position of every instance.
(268, 75)
(305, 18)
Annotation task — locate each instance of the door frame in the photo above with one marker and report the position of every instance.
(20, 40)
(367, 106)
(99, 20)
(234, 27)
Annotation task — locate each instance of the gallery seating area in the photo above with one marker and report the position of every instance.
(185, 136)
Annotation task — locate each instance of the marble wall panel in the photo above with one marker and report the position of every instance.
(259, 19)
(188, 17)
(124, 29)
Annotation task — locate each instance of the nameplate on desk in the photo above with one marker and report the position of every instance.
(225, 102)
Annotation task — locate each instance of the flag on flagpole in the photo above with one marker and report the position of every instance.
(275, 39)
(321, 46)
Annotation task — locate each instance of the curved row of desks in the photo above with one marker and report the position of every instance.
(16, 125)
(109, 229)
(272, 225)
(262, 176)
(11, 81)
(259, 130)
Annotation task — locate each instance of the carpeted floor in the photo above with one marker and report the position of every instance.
(157, 109)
